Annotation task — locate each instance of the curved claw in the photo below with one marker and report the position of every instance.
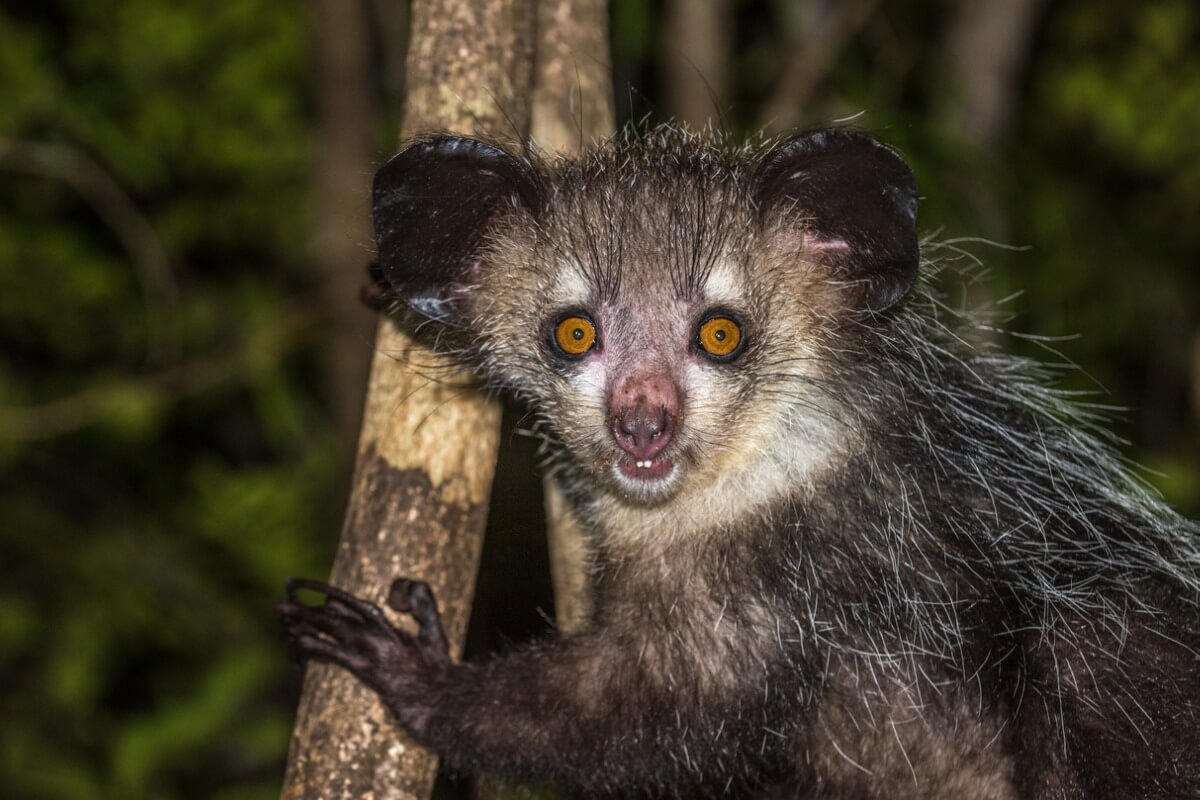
(294, 586)
(335, 599)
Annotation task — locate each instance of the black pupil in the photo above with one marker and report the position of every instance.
(577, 334)
(719, 334)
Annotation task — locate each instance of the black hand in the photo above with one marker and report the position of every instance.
(356, 635)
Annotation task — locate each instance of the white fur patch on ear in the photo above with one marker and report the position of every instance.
(570, 287)
(723, 286)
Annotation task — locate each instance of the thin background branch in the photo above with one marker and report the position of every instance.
(115, 208)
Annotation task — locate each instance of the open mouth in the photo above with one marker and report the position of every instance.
(649, 469)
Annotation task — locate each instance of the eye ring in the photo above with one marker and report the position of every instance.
(719, 337)
(574, 335)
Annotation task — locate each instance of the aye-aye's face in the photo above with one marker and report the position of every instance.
(666, 304)
(661, 349)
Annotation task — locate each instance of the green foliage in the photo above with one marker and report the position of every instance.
(1108, 198)
(167, 460)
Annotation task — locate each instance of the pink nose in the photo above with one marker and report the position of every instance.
(644, 409)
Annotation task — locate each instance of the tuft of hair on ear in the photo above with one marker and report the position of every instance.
(433, 204)
(854, 202)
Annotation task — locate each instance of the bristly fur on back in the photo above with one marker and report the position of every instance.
(864, 553)
(1002, 502)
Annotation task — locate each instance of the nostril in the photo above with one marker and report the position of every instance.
(625, 430)
(643, 432)
(629, 424)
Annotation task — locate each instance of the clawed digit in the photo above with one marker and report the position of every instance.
(416, 598)
(355, 633)
(336, 599)
(343, 629)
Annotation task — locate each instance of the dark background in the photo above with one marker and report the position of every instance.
(183, 229)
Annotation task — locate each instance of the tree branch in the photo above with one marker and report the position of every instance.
(988, 43)
(341, 191)
(427, 450)
(696, 59)
(572, 108)
(827, 35)
(572, 87)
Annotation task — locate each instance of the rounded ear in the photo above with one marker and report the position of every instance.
(433, 203)
(854, 202)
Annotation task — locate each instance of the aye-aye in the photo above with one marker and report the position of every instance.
(841, 547)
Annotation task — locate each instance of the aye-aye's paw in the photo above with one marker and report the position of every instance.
(356, 635)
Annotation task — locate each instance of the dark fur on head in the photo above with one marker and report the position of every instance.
(885, 560)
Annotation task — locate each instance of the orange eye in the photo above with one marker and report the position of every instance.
(719, 337)
(575, 335)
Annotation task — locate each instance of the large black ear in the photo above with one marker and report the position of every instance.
(855, 203)
(433, 203)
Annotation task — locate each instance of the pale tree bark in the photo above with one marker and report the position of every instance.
(572, 87)
(427, 449)
(697, 53)
(572, 108)
(342, 214)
